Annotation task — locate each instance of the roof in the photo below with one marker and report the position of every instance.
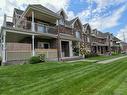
(72, 21)
(116, 39)
(42, 8)
(18, 11)
(86, 25)
(99, 33)
(62, 10)
(69, 23)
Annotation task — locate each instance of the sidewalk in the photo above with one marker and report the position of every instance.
(110, 60)
(85, 60)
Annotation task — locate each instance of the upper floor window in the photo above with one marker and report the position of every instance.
(88, 39)
(61, 21)
(77, 34)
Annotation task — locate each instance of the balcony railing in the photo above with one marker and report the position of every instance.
(45, 29)
(27, 25)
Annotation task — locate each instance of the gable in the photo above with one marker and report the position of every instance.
(87, 28)
(77, 24)
(62, 13)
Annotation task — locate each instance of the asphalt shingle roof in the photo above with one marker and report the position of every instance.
(18, 11)
(69, 23)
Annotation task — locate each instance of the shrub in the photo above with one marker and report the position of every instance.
(115, 53)
(34, 60)
(88, 55)
(37, 59)
(42, 57)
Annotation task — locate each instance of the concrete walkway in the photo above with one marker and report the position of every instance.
(110, 60)
(85, 60)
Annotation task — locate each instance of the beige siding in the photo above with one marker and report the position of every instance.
(50, 53)
(18, 47)
(18, 51)
(22, 51)
(18, 55)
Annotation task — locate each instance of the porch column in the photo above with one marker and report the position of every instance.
(70, 48)
(61, 54)
(33, 24)
(4, 47)
(33, 51)
(97, 49)
(102, 49)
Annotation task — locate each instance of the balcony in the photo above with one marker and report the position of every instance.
(28, 26)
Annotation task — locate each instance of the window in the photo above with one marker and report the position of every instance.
(77, 34)
(44, 45)
(88, 39)
(61, 22)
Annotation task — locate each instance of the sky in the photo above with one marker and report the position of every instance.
(104, 15)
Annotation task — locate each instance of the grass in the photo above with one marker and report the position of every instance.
(101, 58)
(79, 78)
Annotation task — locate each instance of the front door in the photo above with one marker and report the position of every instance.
(65, 48)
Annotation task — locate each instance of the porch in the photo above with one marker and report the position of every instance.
(23, 51)
(20, 46)
(69, 49)
(100, 50)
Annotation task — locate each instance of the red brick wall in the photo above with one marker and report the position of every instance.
(66, 30)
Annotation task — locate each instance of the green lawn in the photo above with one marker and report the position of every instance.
(100, 58)
(64, 79)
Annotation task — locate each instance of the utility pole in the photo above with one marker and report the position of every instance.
(58, 38)
(90, 38)
(124, 39)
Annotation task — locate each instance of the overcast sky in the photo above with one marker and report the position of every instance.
(107, 15)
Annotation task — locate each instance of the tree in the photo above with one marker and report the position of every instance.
(83, 50)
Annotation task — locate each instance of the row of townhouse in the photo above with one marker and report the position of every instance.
(38, 30)
(100, 43)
